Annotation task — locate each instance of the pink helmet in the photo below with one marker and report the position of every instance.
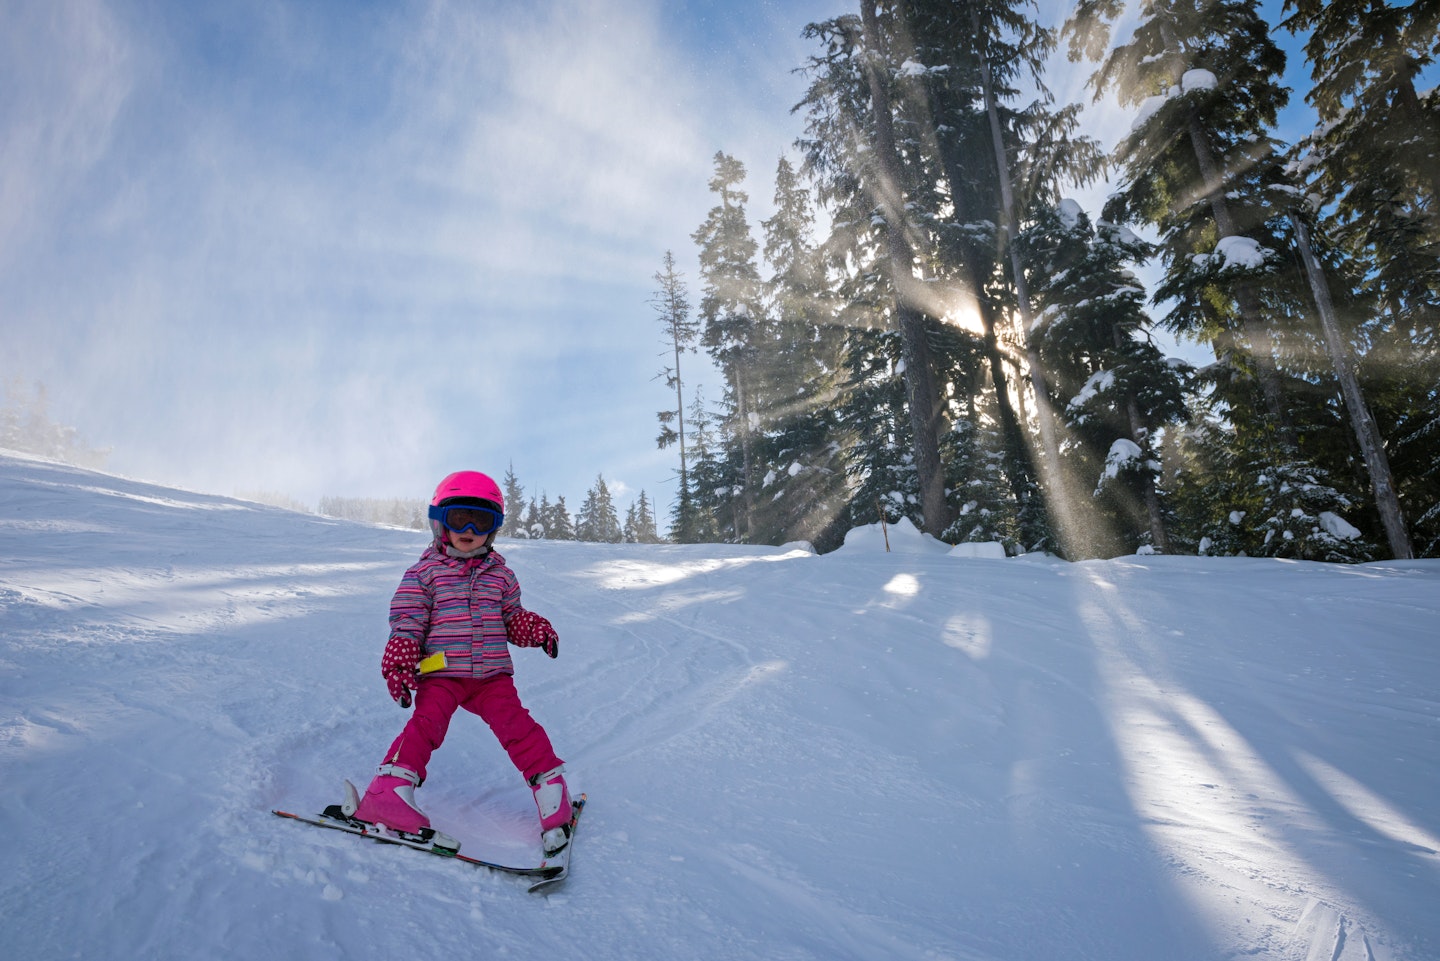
(469, 486)
(466, 488)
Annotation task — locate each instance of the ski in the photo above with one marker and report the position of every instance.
(548, 874)
(560, 860)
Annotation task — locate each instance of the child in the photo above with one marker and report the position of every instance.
(461, 600)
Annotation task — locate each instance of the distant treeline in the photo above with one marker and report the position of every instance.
(396, 511)
(25, 425)
(530, 518)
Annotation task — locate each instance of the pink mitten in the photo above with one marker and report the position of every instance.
(398, 667)
(528, 629)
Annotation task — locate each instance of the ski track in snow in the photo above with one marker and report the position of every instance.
(857, 756)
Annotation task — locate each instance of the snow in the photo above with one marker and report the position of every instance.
(1123, 455)
(861, 755)
(1240, 252)
(1198, 79)
(979, 549)
(1097, 384)
(1070, 213)
(1147, 109)
(1190, 81)
(901, 537)
(1234, 253)
(1337, 526)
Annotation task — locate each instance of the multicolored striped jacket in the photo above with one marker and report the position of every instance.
(459, 606)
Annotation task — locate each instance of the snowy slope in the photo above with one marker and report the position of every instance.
(858, 756)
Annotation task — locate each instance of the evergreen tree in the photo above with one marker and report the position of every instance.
(597, 521)
(558, 524)
(1302, 518)
(1093, 337)
(1006, 44)
(1376, 154)
(878, 451)
(671, 303)
(912, 127)
(854, 147)
(732, 311)
(1201, 166)
(537, 517)
(803, 488)
(514, 525)
(1375, 158)
(640, 522)
(979, 475)
(1206, 78)
(697, 512)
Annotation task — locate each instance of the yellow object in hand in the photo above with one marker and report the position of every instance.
(435, 662)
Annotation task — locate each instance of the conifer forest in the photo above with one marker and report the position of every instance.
(928, 327)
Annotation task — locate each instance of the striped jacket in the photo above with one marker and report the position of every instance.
(459, 606)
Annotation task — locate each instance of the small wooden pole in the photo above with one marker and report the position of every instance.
(883, 529)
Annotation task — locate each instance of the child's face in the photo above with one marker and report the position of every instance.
(466, 541)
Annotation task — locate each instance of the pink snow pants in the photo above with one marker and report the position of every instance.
(498, 704)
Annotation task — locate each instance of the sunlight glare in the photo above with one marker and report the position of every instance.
(906, 585)
(1366, 806)
(969, 633)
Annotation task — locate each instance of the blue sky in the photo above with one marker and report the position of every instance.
(347, 247)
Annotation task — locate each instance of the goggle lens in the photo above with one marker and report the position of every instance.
(460, 518)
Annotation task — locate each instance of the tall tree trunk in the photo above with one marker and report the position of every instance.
(1062, 512)
(747, 489)
(926, 409)
(1022, 470)
(1367, 433)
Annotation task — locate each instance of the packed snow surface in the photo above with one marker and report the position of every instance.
(862, 755)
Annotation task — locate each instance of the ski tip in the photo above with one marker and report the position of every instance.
(546, 886)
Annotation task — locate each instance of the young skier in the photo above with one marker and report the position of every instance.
(462, 601)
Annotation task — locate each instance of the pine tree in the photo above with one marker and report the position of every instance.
(597, 521)
(1209, 144)
(978, 474)
(855, 145)
(25, 425)
(514, 505)
(875, 429)
(640, 522)
(558, 524)
(912, 123)
(671, 303)
(1206, 78)
(697, 514)
(1005, 44)
(803, 487)
(537, 517)
(1376, 158)
(1376, 154)
(1093, 337)
(1302, 516)
(733, 316)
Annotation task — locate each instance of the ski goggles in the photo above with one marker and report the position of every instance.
(461, 518)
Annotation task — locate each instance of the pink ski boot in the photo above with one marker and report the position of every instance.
(390, 800)
(552, 797)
